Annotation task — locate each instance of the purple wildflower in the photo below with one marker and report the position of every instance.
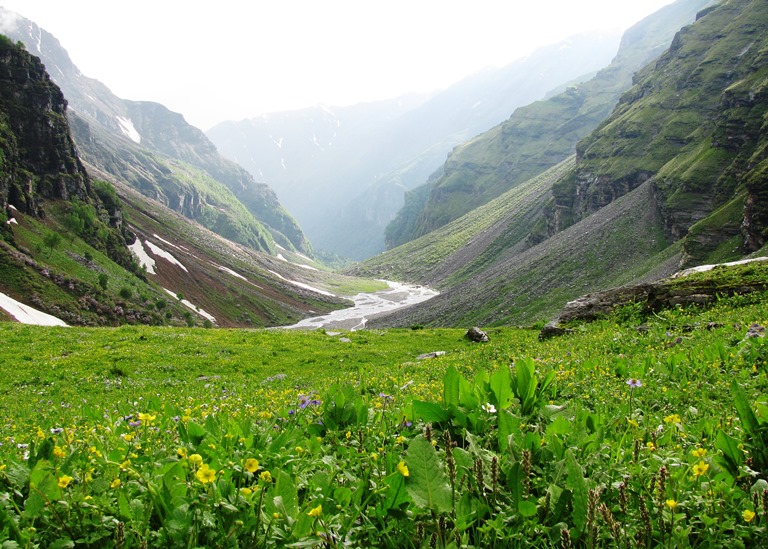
(634, 383)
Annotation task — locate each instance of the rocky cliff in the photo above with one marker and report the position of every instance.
(159, 153)
(38, 155)
(694, 124)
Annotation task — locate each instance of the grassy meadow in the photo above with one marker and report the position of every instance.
(640, 430)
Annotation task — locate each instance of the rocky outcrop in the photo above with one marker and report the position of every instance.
(694, 124)
(663, 294)
(39, 157)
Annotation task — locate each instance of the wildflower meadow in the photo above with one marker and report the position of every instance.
(639, 430)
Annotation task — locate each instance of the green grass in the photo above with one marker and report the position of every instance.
(123, 436)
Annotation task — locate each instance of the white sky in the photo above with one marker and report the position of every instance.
(235, 59)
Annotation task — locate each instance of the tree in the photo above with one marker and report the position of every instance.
(52, 240)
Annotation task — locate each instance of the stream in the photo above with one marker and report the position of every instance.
(367, 305)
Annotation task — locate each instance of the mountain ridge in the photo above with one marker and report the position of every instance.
(525, 274)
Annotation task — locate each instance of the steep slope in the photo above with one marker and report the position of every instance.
(161, 150)
(63, 236)
(536, 136)
(695, 123)
(343, 171)
(675, 176)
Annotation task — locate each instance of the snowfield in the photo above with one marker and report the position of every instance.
(26, 314)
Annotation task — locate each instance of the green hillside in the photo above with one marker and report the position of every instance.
(674, 177)
(537, 136)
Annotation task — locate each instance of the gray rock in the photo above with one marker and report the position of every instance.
(433, 354)
(476, 334)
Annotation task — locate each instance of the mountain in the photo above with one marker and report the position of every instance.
(536, 136)
(65, 230)
(675, 176)
(343, 171)
(157, 152)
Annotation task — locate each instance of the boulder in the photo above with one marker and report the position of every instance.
(476, 334)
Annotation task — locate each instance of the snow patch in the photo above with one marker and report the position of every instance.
(141, 254)
(12, 207)
(231, 272)
(704, 268)
(128, 129)
(12, 221)
(192, 306)
(281, 258)
(165, 255)
(26, 314)
(302, 285)
(161, 239)
(308, 267)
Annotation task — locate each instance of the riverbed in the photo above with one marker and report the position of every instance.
(397, 296)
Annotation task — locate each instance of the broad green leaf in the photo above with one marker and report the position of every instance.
(451, 381)
(396, 495)
(286, 489)
(748, 419)
(508, 424)
(501, 386)
(731, 457)
(578, 487)
(430, 412)
(526, 508)
(427, 483)
(467, 397)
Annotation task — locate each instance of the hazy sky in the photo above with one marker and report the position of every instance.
(229, 60)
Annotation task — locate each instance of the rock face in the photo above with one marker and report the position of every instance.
(158, 153)
(694, 125)
(38, 155)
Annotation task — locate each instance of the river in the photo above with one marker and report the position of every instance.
(367, 305)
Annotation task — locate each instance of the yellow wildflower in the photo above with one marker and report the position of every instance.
(348, 434)
(59, 452)
(40, 433)
(266, 476)
(671, 503)
(316, 512)
(402, 468)
(64, 481)
(374, 456)
(673, 418)
(700, 468)
(275, 516)
(181, 452)
(400, 439)
(115, 483)
(246, 491)
(650, 445)
(699, 453)
(127, 438)
(195, 459)
(251, 465)
(124, 465)
(146, 418)
(748, 515)
(205, 474)
(632, 423)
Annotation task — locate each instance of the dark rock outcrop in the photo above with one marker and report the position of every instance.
(39, 157)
